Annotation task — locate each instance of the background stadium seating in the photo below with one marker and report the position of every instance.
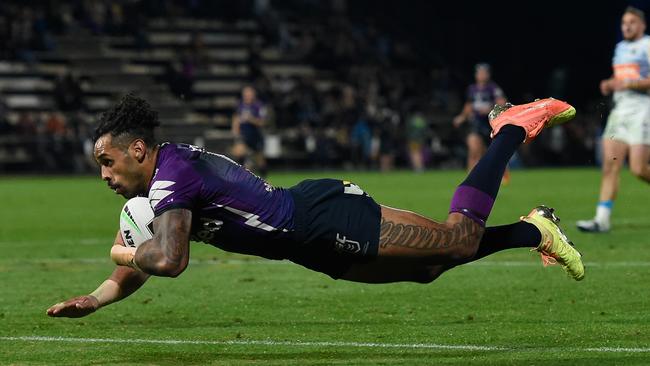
(62, 63)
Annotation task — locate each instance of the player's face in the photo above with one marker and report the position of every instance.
(482, 75)
(120, 167)
(248, 95)
(632, 27)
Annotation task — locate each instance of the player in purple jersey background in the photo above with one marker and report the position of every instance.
(247, 124)
(327, 225)
(481, 97)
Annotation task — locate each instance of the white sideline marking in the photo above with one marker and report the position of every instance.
(255, 261)
(270, 342)
(617, 350)
(267, 342)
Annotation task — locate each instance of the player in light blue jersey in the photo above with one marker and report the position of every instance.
(326, 225)
(627, 133)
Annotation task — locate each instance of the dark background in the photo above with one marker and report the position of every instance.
(396, 58)
(524, 41)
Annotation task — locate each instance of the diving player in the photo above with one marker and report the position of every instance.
(628, 127)
(326, 225)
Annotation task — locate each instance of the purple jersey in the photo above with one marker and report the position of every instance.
(255, 109)
(483, 97)
(232, 208)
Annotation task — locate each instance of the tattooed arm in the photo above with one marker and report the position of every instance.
(168, 253)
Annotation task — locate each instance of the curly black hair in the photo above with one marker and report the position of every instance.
(131, 118)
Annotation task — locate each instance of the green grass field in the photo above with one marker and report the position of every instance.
(55, 235)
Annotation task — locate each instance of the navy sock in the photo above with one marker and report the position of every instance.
(497, 238)
(475, 196)
(486, 175)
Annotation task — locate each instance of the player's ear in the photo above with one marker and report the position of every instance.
(139, 150)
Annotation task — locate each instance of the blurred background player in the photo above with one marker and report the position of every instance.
(247, 124)
(416, 134)
(481, 97)
(628, 125)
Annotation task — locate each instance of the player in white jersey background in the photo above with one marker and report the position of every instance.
(627, 133)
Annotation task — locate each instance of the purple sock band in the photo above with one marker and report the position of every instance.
(472, 203)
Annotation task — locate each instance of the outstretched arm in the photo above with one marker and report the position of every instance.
(168, 253)
(122, 282)
(610, 85)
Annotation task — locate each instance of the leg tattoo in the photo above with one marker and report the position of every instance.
(465, 233)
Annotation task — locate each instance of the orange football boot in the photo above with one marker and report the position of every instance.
(533, 117)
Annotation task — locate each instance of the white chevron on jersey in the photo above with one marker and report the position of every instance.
(158, 191)
(251, 219)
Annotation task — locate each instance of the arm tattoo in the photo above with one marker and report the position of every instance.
(170, 243)
(437, 236)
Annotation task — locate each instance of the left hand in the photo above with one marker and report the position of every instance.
(76, 307)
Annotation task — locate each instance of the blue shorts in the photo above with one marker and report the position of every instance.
(481, 127)
(336, 225)
(252, 137)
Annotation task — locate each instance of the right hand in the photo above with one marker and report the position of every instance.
(458, 120)
(606, 86)
(246, 115)
(76, 307)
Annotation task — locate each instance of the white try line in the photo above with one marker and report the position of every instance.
(269, 342)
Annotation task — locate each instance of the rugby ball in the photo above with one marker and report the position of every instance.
(136, 221)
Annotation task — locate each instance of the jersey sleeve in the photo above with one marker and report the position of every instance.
(175, 187)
